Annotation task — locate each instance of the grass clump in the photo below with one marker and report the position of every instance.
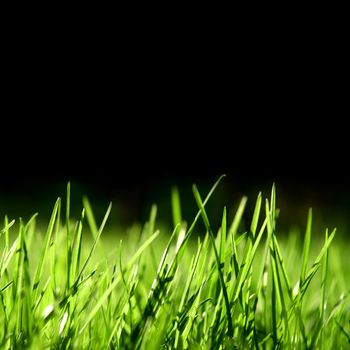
(229, 287)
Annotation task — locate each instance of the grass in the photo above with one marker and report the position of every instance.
(199, 287)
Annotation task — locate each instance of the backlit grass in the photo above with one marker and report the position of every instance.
(76, 287)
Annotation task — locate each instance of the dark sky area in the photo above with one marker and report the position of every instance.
(127, 134)
(135, 163)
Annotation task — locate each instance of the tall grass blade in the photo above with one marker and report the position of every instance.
(176, 206)
(45, 248)
(221, 278)
(306, 248)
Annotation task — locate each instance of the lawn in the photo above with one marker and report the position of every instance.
(79, 285)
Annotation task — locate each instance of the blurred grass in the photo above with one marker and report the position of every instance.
(131, 203)
(330, 200)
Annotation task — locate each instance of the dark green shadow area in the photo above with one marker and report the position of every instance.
(132, 200)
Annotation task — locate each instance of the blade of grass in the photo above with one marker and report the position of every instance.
(223, 240)
(221, 278)
(53, 249)
(238, 217)
(317, 263)
(181, 248)
(274, 296)
(19, 281)
(69, 244)
(283, 268)
(183, 308)
(256, 215)
(78, 246)
(116, 281)
(343, 331)
(198, 215)
(90, 217)
(249, 243)
(232, 233)
(7, 258)
(45, 249)
(245, 267)
(323, 304)
(306, 248)
(176, 206)
(7, 226)
(94, 244)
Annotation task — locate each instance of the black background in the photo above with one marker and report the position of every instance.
(126, 128)
(134, 158)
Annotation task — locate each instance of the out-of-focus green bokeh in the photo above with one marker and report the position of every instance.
(132, 200)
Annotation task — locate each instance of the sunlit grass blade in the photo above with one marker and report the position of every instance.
(181, 248)
(343, 331)
(68, 238)
(206, 287)
(45, 249)
(116, 281)
(256, 215)
(306, 249)
(252, 233)
(223, 239)
(238, 217)
(94, 244)
(176, 206)
(7, 226)
(315, 266)
(221, 277)
(8, 256)
(90, 217)
(78, 246)
(323, 304)
(232, 233)
(244, 269)
(273, 206)
(185, 309)
(275, 300)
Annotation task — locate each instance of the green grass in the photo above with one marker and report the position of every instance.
(75, 286)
